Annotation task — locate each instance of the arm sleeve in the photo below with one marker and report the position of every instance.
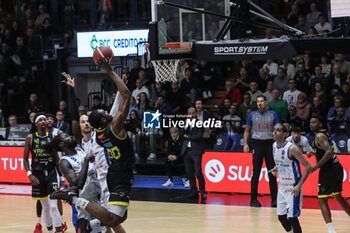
(115, 106)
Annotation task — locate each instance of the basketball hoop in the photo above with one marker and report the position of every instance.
(165, 70)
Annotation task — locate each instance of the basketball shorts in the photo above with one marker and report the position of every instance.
(119, 191)
(330, 181)
(287, 203)
(48, 183)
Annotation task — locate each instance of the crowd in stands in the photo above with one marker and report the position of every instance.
(296, 89)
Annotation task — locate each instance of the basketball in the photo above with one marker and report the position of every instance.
(103, 52)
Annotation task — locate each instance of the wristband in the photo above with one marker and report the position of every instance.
(29, 173)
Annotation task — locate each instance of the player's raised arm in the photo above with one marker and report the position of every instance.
(120, 117)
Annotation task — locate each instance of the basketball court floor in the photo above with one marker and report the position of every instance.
(158, 210)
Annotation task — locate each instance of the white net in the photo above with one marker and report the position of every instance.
(165, 70)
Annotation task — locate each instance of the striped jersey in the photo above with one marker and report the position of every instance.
(288, 169)
(262, 124)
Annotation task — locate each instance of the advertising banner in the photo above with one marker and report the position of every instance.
(123, 43)
(231, 172)
(11, 165)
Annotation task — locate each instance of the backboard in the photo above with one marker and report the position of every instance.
(174, 29)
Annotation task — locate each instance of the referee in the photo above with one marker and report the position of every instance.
(261, 123)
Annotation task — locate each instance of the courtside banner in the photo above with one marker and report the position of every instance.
(11, 165)
(231, 172)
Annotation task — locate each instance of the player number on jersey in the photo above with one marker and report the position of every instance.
(114, 153)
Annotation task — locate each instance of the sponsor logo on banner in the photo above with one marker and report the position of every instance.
(214, 170)
(231, 172)
(240, 50)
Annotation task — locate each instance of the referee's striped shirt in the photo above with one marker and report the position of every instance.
(262, 124)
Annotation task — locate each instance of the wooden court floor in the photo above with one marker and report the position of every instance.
(17, 215)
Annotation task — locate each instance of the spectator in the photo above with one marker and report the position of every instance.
(322, 25)
(303, 107)
(309, 67)
(319, 77)
(319, 92)
(270, 67)
(326, 67)
(224, 108)
(268, 92)
(33, 105)
(190, 86)
(42, 15)
(345, 93)
(174, 158)
(205, 72)
(12, 121)
(278, 106)
(134, 74)
(337, 101)
(254, 92)
(263, 79)
(343, 65)
(289, 67)
(292, 18)
(97, 103)
(302, 79)
(82, 110)
(316, 103)
(133, 107)
(301, 25)
(336, 79)
(2, 120)
(61, 124)
(269, 34)
(281, 81)
(247, 104)
(156, 90)
(181, 70)
(291, 96)
(231, 92)
(144, 104)
(242, 82)
(313, 16)
(261, 123)
(338, 123)
(139, 89)
(292, 118)
(105, 9)
(176, 98)
(133, 129)
(232, 125)
(163, 106)
(192, 150)
(299, 140)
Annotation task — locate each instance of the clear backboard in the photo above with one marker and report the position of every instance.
(173, 29)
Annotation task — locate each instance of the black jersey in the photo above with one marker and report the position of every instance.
(319, 152)
(41, 160)
(120, 153)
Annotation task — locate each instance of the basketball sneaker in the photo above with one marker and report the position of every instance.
(64, 227)
(168, 183)
(38, 228)
(66, 194)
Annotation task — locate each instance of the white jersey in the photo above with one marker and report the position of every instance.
(91, 190)
(288, 169)
(101, 165)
